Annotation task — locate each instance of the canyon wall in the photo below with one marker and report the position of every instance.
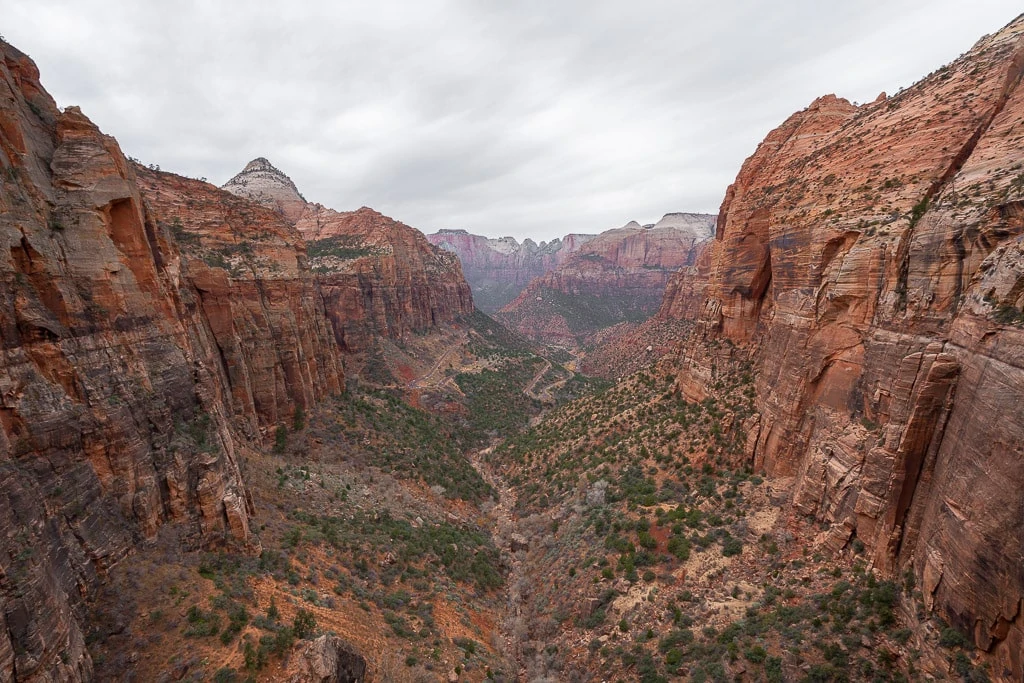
(870, 259)
(378, 277)
(133, 371)
(499, 269)
(251, 288)
(619, 276)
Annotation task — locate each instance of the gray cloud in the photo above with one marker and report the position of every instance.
(526, 118)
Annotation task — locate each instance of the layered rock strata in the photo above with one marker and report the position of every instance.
(254, 292)
(871, 260)
(378, 277)
(264, 184)
(127, 380)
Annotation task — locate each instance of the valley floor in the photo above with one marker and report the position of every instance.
(618, 537)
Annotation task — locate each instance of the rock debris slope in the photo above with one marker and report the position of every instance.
(871, 259)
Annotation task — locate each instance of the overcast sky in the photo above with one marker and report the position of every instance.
(525, 118)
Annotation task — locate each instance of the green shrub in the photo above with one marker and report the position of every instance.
(680, 547)
(949, 637)
(280, 439)
(732, 546)
(225, 675)
(755, 654)
(304, 624)
(201, 623)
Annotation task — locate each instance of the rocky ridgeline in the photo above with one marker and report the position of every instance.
(869, 260)
(619, 276)
(378, 276)
(154, 327)
(499, 269)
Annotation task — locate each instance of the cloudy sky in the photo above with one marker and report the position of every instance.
(528, 118)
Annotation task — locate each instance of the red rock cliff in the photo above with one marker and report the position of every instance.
(127, 381)
(253, 291)
(871, 259)
(378, 276)
(381, 277)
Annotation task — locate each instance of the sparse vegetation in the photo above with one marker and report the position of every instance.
(343, 247)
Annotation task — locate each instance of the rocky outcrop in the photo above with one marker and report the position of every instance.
(127, 379)
(619, 276)
(264, 184)
(378, 277)
(870, 259)
(499, 269)
(328, 659)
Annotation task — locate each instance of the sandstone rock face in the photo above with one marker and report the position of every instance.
(127, 380)
(686, 288)
(262, 183)
(499, 269)
(871, 260)
(252, 289)
(378, 277)
(618, 276)
(328, 659)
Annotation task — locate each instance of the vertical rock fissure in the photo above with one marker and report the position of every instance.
(917, 486)
(956, 164)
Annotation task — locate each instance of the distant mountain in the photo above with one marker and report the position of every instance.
(261, 182)
(618, 276)
(499, 269)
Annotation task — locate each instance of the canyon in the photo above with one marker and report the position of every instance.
(247, 435)
(618, 276)
(499, 269)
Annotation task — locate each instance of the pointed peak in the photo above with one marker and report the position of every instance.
(265, 184)
(260, 164)
(369, 211)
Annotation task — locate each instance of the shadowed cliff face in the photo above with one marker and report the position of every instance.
(252, 290)
(131, 371)
(619, 276)
(872, 260)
